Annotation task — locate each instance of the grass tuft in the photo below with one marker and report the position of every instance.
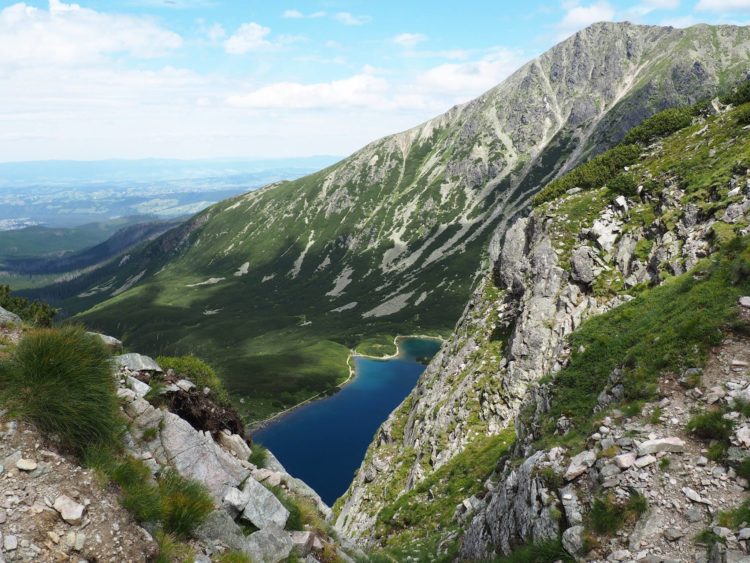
(197, 371)
(61, 381)
(259, 455)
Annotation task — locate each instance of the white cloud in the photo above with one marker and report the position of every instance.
(578, 16)
(216, 32)
(364, 89)
(648, 6)
(467, 80)
(723, 5)
(409, 40)
(248, 37)
(350, 19)
(297, 15)
(69, 34)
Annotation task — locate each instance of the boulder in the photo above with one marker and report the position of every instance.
(673, 445)
(582, 262)
(137, 362)
(195, 455)
(139, 388)
(269, 545)
(580, 464)
(69, 510)
(624, 461)
(745, 301)
(235, 444)
(303, 542)
(8, 318)
(263, 509)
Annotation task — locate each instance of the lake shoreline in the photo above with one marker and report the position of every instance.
(262, 424)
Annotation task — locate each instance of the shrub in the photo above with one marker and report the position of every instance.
(605, 516)
(737, 517)
(33, 312)
(259, 455)
(197, 371)
(711, 426)
(738, 96)
(594, 174)
(743, 115)
(661, 124)
(61, 381)
(743, 469)
(623, 184)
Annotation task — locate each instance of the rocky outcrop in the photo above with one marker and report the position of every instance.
(550, 272)
(659, 460)
(8, 318)
(241, 491)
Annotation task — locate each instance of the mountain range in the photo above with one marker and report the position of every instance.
(275, 287)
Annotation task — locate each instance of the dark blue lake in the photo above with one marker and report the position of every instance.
(324, 442)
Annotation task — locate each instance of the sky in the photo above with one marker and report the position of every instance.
(263, 79)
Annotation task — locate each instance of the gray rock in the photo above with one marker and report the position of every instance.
(579, 464)
(137, 362)
(582, 262)
(572, 540)
(263, 509)
(672, 444)
(220, 527)
(195, 455)
(110, 341)
(9, 319)
(624, 461)
(69, 510)
(673, 534)
(139, 388)
(26, 465)
(10, 542)
(235, 444)
(269, 545)
(513, 514)
(571, 505)
(744, 301)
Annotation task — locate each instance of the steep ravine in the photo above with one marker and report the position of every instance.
(570, 260)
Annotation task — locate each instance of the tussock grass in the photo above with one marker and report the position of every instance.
(177, 505)
(259, 455)
(61, 381)
(546, 552)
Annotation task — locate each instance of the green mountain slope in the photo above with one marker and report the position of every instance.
(276, 286)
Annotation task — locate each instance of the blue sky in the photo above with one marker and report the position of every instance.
(214, 78)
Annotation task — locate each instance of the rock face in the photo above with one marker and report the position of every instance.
(513, 331)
